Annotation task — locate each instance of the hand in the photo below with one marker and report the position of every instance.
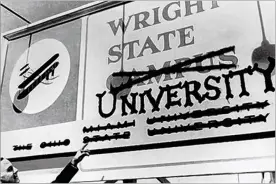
(80, 155)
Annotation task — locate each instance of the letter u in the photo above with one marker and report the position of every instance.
(106, 115)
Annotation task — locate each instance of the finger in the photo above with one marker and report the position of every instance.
(84, 146)
(85, 153)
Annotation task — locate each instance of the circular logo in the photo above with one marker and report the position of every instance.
(39, 76)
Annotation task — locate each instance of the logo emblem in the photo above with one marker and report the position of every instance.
(39, 76)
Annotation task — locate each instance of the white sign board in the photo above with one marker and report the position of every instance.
(218, 99)
(198, 87)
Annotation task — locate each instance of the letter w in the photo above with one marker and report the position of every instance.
(115, 28)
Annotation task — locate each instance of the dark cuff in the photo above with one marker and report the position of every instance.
(66, 174)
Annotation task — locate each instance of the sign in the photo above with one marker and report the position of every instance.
(184, 73)
(179, 83)
(40, 91)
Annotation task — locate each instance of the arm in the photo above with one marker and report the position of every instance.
(71, 169)
(66, 174)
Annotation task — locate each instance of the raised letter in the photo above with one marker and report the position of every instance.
(267, 74)
(171, 95)
(154, 103)
(193, 92)
(117, 54)
(115, 28)
(166, 37)
(131, 106)
(183, 36)
(143, 21)
(166, 12)
(106, 115)
(211, 87)
(131, 48)
(188, 6)
(149, 45)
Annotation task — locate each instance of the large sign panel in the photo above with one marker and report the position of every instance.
(179, 74)
(39, 91)
(163, 82)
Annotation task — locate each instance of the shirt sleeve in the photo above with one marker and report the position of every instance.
(66, 174)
